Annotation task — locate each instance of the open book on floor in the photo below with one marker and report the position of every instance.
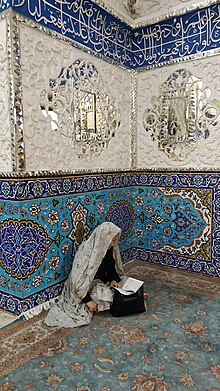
(130, 286)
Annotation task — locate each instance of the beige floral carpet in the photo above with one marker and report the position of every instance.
(172, 346)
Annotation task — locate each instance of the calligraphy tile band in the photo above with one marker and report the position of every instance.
(178, 38)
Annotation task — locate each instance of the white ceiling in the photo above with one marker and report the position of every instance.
(148, 10)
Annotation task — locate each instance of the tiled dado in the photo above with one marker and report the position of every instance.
(169, 219)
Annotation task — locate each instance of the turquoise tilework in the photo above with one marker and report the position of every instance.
(169, 219)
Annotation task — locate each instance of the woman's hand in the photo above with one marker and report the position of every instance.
(92, 306)
(115, 284)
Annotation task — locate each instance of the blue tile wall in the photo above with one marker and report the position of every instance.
(89, 25)
(169, 219)
(178, 37)
(42, 223)
(84, 22)
(5, 4)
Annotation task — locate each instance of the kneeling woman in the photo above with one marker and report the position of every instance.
(96, 268)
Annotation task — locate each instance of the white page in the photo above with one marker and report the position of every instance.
(124, 292)
(130, 286)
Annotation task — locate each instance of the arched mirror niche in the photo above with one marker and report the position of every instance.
(181, 115)
(81, 109)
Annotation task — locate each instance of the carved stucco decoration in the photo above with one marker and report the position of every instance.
(5, 133)
(42, 58)
(181, 115)
(81, 109)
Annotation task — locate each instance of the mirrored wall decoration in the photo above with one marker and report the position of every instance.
(181, 115)
(81, 109)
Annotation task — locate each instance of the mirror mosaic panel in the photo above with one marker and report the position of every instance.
(182, 114)
(81, 109)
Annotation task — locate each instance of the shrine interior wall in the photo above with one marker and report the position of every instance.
(178, 109)
(55, 75)
(150, 166)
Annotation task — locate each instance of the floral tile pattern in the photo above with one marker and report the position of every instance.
(169, 220)
(23, 247)
(173, 346)
(47, 236)
(174, 222)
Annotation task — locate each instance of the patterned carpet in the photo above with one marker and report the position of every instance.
(173, 346)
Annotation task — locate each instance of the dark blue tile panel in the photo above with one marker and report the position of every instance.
(86, 23)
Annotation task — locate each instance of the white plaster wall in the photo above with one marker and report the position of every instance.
(206, 153)
(149, 9)
(144, 10)
(42, 58)
(5, 133)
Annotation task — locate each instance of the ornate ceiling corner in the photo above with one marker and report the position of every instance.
(140, 13)
(132, 8)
